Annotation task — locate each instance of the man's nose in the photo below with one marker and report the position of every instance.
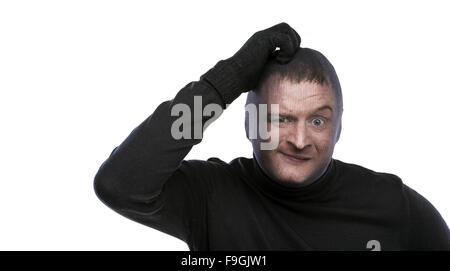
(300, 137)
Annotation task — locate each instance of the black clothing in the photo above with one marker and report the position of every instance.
(214, 205)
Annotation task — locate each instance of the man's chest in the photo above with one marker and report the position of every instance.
(253, 224)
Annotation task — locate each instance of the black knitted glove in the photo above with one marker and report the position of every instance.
(241, 72)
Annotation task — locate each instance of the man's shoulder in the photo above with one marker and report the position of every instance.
(363, 173)
(379, 183)
(374, 189)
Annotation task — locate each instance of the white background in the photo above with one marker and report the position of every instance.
(77, 76)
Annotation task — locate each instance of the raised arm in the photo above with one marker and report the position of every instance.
(145, 178)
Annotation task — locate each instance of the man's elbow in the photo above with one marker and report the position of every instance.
(103, 187)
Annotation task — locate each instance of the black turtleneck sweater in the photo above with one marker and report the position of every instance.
(214, 205)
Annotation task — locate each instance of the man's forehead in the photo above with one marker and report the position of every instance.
(291, 93)
(275, 82)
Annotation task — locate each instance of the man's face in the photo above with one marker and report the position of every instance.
(309, 127)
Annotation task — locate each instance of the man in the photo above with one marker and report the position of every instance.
(290, 196)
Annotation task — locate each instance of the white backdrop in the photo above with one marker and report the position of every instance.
(77, 76)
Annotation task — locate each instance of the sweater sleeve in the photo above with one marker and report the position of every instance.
(146, 179)
(427, 228)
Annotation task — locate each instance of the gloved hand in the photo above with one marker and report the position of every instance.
(240, 73)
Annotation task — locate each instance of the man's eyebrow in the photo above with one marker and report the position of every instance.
(287, 115)
(282, 115)
(323, 108)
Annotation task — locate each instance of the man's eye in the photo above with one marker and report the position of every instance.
(318, 122)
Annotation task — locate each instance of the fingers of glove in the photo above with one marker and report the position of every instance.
(298, 40)
(286, 44)
(281, 59)
(281, 27)
(286, 29)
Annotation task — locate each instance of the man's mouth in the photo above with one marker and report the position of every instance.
(295, 158)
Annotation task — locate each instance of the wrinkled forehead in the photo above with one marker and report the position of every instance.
(286, 93)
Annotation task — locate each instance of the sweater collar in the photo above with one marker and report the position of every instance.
(277, 190)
